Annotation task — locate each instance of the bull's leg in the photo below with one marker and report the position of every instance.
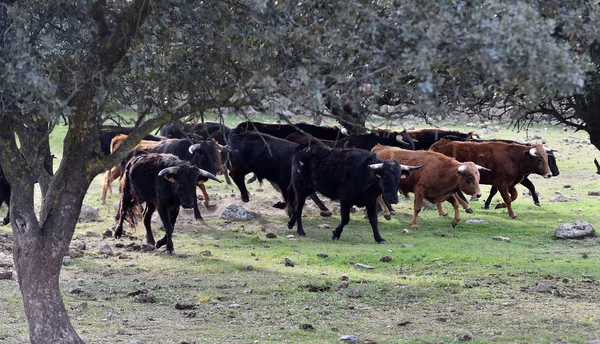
(296, 216)
(105, 187)
(238, 179)
(345, 212)
(529, 185)
(125, 204)
(384, 208)
(493, 192)
(455, 204)
(440, 210)
(506, 196)
(147, 218)
(372, 214)
(197, 214)
(463, 203)
(325, 212)
(417, 205)
(205, 195)
(168, 217)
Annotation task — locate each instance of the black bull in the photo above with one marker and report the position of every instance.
(352, 176)
(164, 182)
(268, 158)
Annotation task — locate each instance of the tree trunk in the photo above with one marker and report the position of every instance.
(38, 269)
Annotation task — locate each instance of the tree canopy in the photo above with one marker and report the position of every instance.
(80, 62)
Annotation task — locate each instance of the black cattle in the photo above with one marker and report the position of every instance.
(352, 176)
(4, 196)
(164, 182)
(284, 130)
(526, 182)
(268, 158)
(424, 138)
(382, 137)
(301, 138)
(205, 131)
(201, 154)
(106, 136)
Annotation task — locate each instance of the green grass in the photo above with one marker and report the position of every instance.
(441, 282)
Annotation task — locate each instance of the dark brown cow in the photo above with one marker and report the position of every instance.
(437, 181)
(424, 138)
(509, 163)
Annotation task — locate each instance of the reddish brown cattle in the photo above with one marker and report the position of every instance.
(509, 163)
(437, 181)
(115, 172)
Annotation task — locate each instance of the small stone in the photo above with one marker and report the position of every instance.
(322, 255)
(349, 338)
(190, 314)
(185, 305)
(206, 253)
(405, 230)
(236, 212)
(105, 249)
(585, 255)
(593, 193)
(290, 236)
(130, 264)
(107, 234)
(567, 186)
(75, 253)
(144, 248)
(7, 275)
(574, 230)
(404, 323)
(354, 294)
(562, 198)
(249, 268)
(288, 262)
(92, 234)
(360, 266)
(476, 222)
(323, 225)
(350, 306)
(271, 235)
(306, 327)
(247, 291)
(66, 260)
(501, 238)
(235, 305)
(88, 213)
(385, 259)
(196, 279)
(542, 287)
(369, 341)
(145, 298)
(344, 278)
(463, 337)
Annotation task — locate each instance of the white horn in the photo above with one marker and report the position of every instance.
(194, 147)
(550, 150)
(410, 168)
(533, 152)
(376, 166)
(208, 175)
(483, 168)
(400, 140)
(170, 170)
(462, 168)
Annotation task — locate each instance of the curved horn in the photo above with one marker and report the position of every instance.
(410, 168)
(533, 152)
(376, 166)
(550, 150)
(462, 168)
(194, 147)
(224, 148)
(400, 140)
(483, 168)
(208, 175)
(169, 170)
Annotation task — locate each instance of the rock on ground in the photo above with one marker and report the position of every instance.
(88, 213)
(561, 198)
(574, 230)
(235, 212)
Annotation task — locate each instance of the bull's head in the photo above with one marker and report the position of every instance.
(538, 152)
(389, 173)
(468, 178)
(184, 179)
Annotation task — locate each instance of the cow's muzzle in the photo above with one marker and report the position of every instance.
(547, 175)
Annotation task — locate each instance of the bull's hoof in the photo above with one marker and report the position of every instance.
(290, 225)
(160, 243)
(382, 242)
(486, 207)
(334, 237)
(102, 202)
(414, 228)
(279, 205)
(209, 206)
(538, 204)
(301, 234)
(392, 212)
(326, 213)
(387, 217)
(118, 233)
(245, 199)
(170, 252)
(454, 224)
(513, 217)
(500, 205)
(469, 211)
(444, 214)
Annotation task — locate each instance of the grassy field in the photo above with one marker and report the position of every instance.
(441, 285)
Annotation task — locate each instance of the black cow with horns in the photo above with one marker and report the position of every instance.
(352, 176)
(164, 182)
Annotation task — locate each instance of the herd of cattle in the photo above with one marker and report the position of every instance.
(301, 160)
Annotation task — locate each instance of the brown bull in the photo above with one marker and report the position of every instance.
(509, 163)
(437, 181)
(115, 172)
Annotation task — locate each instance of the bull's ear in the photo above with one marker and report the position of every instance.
(404, 174)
